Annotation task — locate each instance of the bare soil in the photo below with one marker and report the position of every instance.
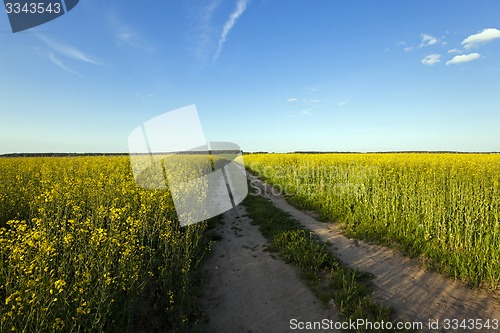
(249, 289)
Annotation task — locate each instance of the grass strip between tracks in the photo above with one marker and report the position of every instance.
(331, 281)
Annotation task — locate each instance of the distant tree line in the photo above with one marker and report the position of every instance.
(245, 153)
(60, 154)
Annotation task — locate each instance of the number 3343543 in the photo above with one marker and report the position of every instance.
(33, 8)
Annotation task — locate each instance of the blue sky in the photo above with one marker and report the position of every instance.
(273, 75)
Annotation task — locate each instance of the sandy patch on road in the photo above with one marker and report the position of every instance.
(249, 289)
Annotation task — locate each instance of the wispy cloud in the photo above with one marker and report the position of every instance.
(405, 48)
(204, 32)
(312, 89)
(241, 6)
(428, 40)
(144, 96)
(454, 51)
(343, 103)
(431, 59)
(60, 64)
(307, 102)
(463, 58)
(306, 111)
(484, 36)
(126, 36)
(67, 50)
(304, 106)
(133, 40)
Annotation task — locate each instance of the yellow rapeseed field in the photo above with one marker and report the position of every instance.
(83, 248)
(442, 207)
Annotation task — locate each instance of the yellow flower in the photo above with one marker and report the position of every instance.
(59, 285)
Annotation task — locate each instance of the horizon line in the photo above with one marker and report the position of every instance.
(49, 154)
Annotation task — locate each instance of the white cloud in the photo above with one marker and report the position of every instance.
(204, 31)
(125, 35)
(408, 49)
(307, 111)
(66, 50)
(144, 96)
(428, 40)
(484, 36)
(133, 40)
(463, 58)
(292, 99)
(454, 51)
(240, 9)
(343, 103)
(60, 64)
(431, 59)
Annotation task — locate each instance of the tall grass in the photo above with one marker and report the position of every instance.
(82, 248)
(442, 207)
(327, 277)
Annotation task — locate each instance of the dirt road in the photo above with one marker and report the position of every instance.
(251, 290)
